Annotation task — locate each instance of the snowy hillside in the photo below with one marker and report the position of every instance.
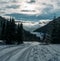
(30, 52)
(33, 25)
(38, 34)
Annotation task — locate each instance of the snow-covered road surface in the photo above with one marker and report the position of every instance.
(30, 52)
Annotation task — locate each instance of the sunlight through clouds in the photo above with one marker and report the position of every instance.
(30, 7)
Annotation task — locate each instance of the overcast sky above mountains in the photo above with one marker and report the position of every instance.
(30, 9)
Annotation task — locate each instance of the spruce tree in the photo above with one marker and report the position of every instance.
(56, 32)
(3, 31)
(7, 34)
(12, 30)
(20, 34)
(21, 29)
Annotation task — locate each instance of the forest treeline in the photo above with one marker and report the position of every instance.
(54, 31)
(10, 32)
(51, 31)
(55, 35)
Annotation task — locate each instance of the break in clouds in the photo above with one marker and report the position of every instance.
(36, 9)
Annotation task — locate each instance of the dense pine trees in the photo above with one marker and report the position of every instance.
(3, 32)
(53, 32)
(12, 33)
(20, 33)
(56, 31)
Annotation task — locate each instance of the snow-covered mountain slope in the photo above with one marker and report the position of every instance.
(38, 34)
(31, 26)
(30, 52)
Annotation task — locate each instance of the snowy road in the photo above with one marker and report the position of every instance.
(30, 52)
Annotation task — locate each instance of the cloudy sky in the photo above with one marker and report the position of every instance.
(30, 9)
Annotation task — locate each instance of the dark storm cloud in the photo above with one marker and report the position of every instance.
(18, 16)
(27, 10)
(13, 6)
(48, 9)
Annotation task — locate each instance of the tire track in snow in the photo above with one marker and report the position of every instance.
(34, 56)
(14, 53)
(41, 53)
(28, 57)
(5, 50)
(47, 53)
(10, 46)
(50, 54)
(55, 54)
(54, 49)
(2, 48)
(24, 56)
(11, 52)
(20, 54)
(31, 53)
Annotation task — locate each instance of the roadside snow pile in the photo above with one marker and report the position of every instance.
(1, 42)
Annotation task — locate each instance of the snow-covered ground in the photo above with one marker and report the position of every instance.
(32, 51)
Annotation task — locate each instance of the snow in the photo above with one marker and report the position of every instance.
(30, 51)
(38, 34)
(33, 25)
